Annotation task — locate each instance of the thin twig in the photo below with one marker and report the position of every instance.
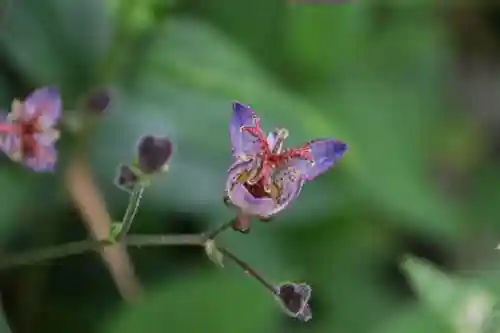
(79, 247)
(89, 201)
(132, 208)
(223, 227)
(249, 270)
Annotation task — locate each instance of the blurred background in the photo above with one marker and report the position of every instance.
(414, 90)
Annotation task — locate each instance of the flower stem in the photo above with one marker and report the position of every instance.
(132, 208)
(249, 270)
(79, 247)
(223, 227)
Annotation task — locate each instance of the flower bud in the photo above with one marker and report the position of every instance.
(98, 101)
(294, 299)
(126, 178)
(153, 153)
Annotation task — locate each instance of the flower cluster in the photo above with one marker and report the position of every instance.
(263, 179)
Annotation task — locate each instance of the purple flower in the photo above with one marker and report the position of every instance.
(265, 178)
(28, 135)
(294, 298)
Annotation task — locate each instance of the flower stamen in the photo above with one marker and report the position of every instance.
(271, 159)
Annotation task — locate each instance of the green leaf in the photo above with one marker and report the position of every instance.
(114, 230)
(413, 319)
(394, 172)
(464, 306)
(492, 322)
(205, 302)
(68, 49)
(4, 327)
(376, 102)
(316, 38)
(213, 253)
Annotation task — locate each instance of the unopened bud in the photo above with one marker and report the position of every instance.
(294, 299)
(126, 178)
(153, 153)
(98, 101)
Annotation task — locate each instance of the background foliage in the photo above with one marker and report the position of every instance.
(413, 90)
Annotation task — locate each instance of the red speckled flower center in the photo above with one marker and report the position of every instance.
(270, 159)
(257, 189)
(28, 141)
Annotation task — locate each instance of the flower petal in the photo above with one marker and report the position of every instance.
(242, 143)
(44, 160)
(11, 146)
(44, 102)
(289, 184)
(240, 196)
(17, 111)
(325, 153)
(271, 139)
(294, 300)
(304, 290)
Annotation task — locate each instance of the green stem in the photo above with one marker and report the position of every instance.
(79, 247)
(249, 270)
(132, 208)
(223, 227)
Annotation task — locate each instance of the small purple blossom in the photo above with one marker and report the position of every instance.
(294, 298)
(264, 177)
(28, 135)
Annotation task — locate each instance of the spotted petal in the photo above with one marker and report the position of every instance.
(289, 183)
(241, 197)
(45, 102)
(243, 144)
(325, 153)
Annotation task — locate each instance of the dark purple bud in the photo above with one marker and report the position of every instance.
(98, 101)
(295, 300)
(153, 153)
(126, 178)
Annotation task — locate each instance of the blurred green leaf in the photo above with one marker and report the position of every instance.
(387, 104)
(413, 319)
(4, 327)
(325, 40)
(492, 322)
(206, 302)
(68, 50)
(262, 37)
(392, 172)
(463, 306)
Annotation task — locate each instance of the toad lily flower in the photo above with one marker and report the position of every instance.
(28, 135)
(265, 178)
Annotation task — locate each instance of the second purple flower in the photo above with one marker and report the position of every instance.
(28, 135)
